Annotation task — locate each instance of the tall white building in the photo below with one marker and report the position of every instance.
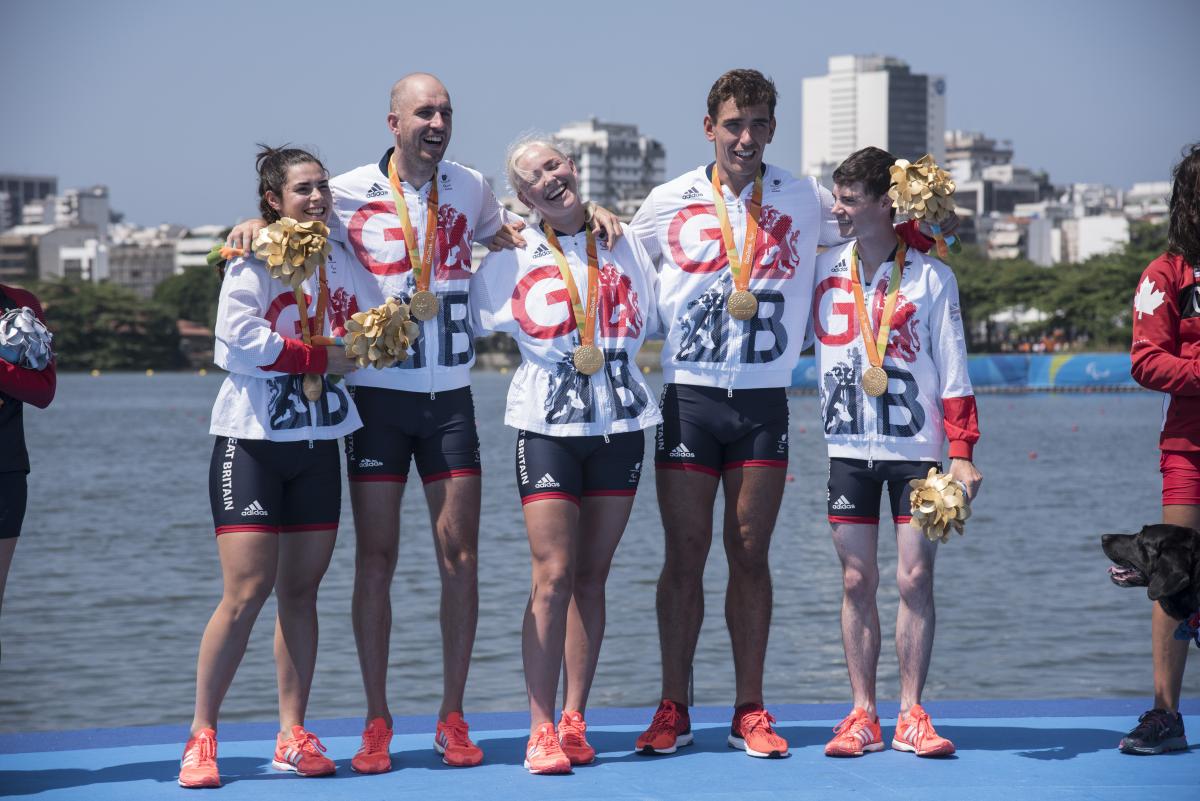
(870, 100)
(617, 166)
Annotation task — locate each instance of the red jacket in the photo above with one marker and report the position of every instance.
(35, 387)
(1166, 346)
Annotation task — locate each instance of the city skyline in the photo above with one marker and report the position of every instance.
(163, 102)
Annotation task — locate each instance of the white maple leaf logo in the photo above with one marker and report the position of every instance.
(1147, 298)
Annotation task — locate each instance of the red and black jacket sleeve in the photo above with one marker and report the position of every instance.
(1166, 325)
(35, 387)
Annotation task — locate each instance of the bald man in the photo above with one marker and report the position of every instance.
(422, 408)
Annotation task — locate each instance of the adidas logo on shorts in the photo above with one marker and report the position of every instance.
(691, 194)
(842, 503)
(546, 482)
(254, 510)
(376, 191)
(681, 452)
(542, 250)
(370, 463)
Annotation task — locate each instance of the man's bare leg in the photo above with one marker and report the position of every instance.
(752, 498)
(857, 547)
(454, 517)
(916, 617)
(685, 501)
(377, 542)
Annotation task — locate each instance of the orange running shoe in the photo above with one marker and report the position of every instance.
(856, 735)
(302, 753)
(915, 733)
(670, 729)
(751, 732)
(571, 736)
(452, 742)
(198, 768)
(373, 756)
(544, 754)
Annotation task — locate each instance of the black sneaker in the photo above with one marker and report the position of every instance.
(1157, 732)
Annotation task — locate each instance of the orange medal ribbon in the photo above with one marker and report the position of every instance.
(423, 269)
(877, 349)
(740, 265)
(585, 319)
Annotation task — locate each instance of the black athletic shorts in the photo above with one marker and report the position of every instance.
(855, 486)
(398, 426)
(259, 485)
(709, 429)
(572, 468)
(13, 495)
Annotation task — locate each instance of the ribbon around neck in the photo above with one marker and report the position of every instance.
(585, 318)
(422, 269)
(877, 349)
(739, 265)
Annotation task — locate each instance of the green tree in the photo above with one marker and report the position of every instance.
(1088, 304)
(105, 327)
(191, 295)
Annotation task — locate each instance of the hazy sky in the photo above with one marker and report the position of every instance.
(163, 101)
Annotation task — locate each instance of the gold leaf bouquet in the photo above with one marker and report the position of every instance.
(939, 504)
(924, 191)
(381, 336)
(293, 251)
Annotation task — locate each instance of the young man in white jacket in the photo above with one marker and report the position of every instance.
(893, 383)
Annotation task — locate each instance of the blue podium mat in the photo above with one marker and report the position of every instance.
(1006, 750)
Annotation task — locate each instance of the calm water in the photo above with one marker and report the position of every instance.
(117, 572)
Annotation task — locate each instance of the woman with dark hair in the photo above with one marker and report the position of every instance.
(1166, 358)
(20, 383)
(579, 310)
(275, 475)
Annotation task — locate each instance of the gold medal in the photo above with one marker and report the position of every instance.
(588, 359)
(424, 305)
(742, 304)
(875, 381)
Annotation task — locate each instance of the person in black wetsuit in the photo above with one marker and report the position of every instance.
(18, 386)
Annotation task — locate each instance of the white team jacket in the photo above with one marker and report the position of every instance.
(929, 393)
(679, 228)
(254, 315)
(467, 210)
(521, 292)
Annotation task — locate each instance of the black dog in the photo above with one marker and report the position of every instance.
(1165, 560)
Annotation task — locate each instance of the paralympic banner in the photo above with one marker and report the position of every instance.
(1017, 371)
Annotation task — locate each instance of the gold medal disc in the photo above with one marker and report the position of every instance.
(588, 359)
(875, 381)
(742, 304)
(424, 305)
